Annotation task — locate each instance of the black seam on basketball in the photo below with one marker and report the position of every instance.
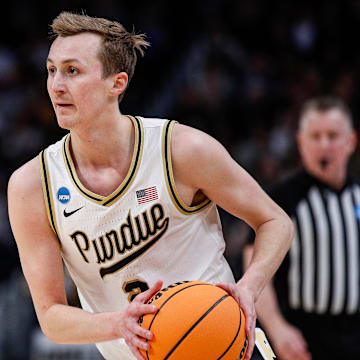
(237, 334)
(163, 304)
(195, 324)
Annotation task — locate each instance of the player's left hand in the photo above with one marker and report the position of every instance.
(246, 301)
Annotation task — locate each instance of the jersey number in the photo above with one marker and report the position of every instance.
(134, 287)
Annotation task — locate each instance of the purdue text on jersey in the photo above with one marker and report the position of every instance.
(148, 230)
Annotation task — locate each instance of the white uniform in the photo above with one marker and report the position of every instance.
(118, 245)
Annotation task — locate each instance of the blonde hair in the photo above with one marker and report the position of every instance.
(118, 50)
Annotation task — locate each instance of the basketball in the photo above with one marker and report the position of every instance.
(195, 320)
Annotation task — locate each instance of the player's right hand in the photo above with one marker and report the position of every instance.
(288, 342)
(133, 334)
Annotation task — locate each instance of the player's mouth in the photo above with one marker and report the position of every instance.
(63, 105)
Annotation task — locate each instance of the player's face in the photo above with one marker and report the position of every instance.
(326, 142)
(75, 83)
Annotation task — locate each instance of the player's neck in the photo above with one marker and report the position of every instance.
(103, 145)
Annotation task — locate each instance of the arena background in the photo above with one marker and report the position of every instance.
(239, 70)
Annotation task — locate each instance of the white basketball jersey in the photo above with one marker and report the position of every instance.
(119, 245)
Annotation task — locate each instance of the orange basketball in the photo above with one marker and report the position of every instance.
(195, 320)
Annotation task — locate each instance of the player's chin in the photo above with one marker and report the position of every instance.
(65, 122)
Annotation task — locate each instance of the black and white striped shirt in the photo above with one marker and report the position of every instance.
(321, 273)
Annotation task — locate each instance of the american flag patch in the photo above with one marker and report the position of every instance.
(146, 195)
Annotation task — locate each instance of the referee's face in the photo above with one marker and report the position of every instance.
(326, 141)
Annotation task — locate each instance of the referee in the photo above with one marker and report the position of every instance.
(311, 309)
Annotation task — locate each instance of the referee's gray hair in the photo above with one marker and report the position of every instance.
(323, 104)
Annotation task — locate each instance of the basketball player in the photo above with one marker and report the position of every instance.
(128, 203)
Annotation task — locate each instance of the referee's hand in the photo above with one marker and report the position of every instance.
(288, 342)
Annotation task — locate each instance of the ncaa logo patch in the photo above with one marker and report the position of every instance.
(63, 195)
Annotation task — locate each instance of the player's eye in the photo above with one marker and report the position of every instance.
(73, 71)
(51, 70)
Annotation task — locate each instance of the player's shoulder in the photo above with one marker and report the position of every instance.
(28, 176)
(26, 180)
(189, 140)
(197, 155)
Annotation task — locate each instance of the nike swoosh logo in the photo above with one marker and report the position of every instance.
(66, 214)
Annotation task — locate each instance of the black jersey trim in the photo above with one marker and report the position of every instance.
(170, 182)
(134, 167)
(47, 193)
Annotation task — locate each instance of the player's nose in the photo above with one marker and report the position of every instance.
(58, 83)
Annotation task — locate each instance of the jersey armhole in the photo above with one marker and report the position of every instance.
(169, 176)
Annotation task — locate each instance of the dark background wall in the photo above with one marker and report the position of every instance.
(239, 70)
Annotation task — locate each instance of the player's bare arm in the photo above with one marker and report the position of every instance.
(41, 261)
(288, 341)
(202, 166)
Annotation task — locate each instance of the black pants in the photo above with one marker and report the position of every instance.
(329, 337)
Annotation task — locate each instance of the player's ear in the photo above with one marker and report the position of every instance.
(119, 83)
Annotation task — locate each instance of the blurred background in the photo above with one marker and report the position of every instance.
(239, 70)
